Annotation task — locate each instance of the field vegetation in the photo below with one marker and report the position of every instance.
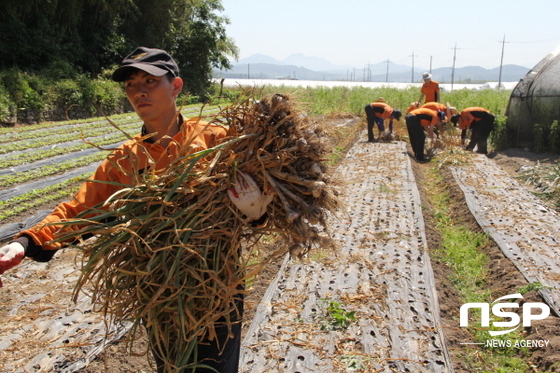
(25, 145)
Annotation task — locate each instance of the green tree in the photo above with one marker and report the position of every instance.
(192, 31)
(93, 35)
(37, 33)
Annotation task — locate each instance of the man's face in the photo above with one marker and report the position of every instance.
(427, 80)
(152, 97)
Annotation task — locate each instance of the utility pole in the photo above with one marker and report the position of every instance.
(430, 64)
(501, 62)
(453, 68)
(413, 55)
(248, 71)
(387, 74)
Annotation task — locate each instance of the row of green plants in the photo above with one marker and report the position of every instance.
(53, 125)
(100, 126)
(8, 134)
(36, 198)
(28, 157)
(67, 136)
(94, 127)
(10, 180)
(20, 134)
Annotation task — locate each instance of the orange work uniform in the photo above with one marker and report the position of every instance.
(382, 110)
(425, 116)
(376, 113)
(437, 106)
(470, 115)
(123, 166)
(440, 108)
(430, 91)
(416, 120)
(481, 122)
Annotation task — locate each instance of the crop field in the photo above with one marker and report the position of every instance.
(44, 163)
(345, 313)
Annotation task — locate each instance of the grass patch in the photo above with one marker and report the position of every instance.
(462, 251)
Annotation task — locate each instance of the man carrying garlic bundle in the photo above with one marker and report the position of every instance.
(152, 84)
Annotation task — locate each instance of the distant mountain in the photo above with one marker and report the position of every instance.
(510, 73)
(258, 58)
(299, 66)
(298, 59)
(381, 68)
(467, 74)
(311, 63)
(273, 71)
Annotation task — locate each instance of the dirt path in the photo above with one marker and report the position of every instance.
(382, 276)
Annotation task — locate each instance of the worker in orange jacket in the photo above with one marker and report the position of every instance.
(481, 123)
(418, 121)
(151, 83)
(429, 90)
(376, 113)
(445, 111)
(413, 106)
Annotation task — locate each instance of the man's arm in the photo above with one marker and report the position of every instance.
(430, 130)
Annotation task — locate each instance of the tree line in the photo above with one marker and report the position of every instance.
(68, 38)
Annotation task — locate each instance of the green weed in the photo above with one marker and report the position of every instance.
(333, 316)
(554, 138)
(499, 135)
(536, 286)
(541, 132)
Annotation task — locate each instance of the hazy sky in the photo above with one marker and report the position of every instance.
(357, 32)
